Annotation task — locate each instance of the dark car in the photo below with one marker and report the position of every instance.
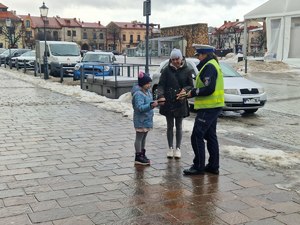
(98, 64)
(10, 53)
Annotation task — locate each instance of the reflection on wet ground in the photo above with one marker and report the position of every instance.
(68, 162)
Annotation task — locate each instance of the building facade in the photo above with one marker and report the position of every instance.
(230, 36)
(93, 36)
(11, 36)
(123, 35)
(192, 33)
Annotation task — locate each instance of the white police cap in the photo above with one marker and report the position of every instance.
(203, 49)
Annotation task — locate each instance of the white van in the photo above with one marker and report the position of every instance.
(59, 53)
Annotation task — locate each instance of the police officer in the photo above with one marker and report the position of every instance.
(209, 100)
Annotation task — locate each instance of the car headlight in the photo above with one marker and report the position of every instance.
(77, 67)
(261, 90)
(231, 91)
(106, 68)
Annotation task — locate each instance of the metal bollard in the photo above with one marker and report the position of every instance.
(24, 69)
(35, 68)
(82, 77)
(61, 73)
(128, 71)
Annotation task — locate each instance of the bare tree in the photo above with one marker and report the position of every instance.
(113, 32)
(14, 34)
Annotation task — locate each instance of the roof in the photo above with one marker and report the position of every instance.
(275, 8)
(68, 22)
(37, 21)
(91, 25)
(3, 6)
(228, 25)
(130, 25)
(7, 14)
(99, 53)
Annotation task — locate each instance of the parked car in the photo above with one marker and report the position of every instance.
(2, 50)
(240, 93)
(98, 64)
(6, 54)
(13, 52)
(115, 52)
(27, 57)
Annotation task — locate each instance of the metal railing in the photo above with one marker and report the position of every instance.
(119, 69)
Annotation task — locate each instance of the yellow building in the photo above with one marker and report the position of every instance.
(12, 36)
(123, 35)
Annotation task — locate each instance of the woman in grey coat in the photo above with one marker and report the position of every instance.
(175, 79)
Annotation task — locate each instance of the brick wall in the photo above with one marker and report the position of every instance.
(193, 33)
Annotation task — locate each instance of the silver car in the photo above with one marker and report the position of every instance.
(240, 93)
(27, 58)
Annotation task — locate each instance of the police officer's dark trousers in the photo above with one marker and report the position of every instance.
(205, 128)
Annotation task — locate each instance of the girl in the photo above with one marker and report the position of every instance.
(143, 104)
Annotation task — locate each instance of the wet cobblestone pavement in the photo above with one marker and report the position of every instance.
(67, 162)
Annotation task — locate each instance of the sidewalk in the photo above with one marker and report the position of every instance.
(66, 162)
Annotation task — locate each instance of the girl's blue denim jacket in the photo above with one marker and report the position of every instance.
(143, 112)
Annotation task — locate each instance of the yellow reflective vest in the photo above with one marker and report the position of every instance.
(216, 99)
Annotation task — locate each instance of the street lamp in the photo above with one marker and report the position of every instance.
(8, 25)
(44, 13)
(147, 13)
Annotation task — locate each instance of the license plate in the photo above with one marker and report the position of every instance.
(251, 101)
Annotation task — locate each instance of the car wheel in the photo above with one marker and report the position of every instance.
(250, 111)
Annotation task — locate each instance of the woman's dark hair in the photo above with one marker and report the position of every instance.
(213, 55)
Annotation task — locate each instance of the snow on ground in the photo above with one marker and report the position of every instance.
(258, 156)
(255, 65)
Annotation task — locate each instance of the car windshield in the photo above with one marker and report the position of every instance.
(228, 71)
(6, 52)
(96, 58)
(30, 53)
(64, 50)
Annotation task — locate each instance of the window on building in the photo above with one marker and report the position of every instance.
(28, 34)
(1, 30)
(94, 36)
(27, 24)
(101, 36)
(55, 35)
(139, 37)
(124, 37)
(84, 35)
(131, 38)
(73, 33)
(69, 33)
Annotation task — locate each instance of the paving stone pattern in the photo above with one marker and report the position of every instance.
(65, 162)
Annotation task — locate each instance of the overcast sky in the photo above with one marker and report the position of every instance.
(165, 12)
